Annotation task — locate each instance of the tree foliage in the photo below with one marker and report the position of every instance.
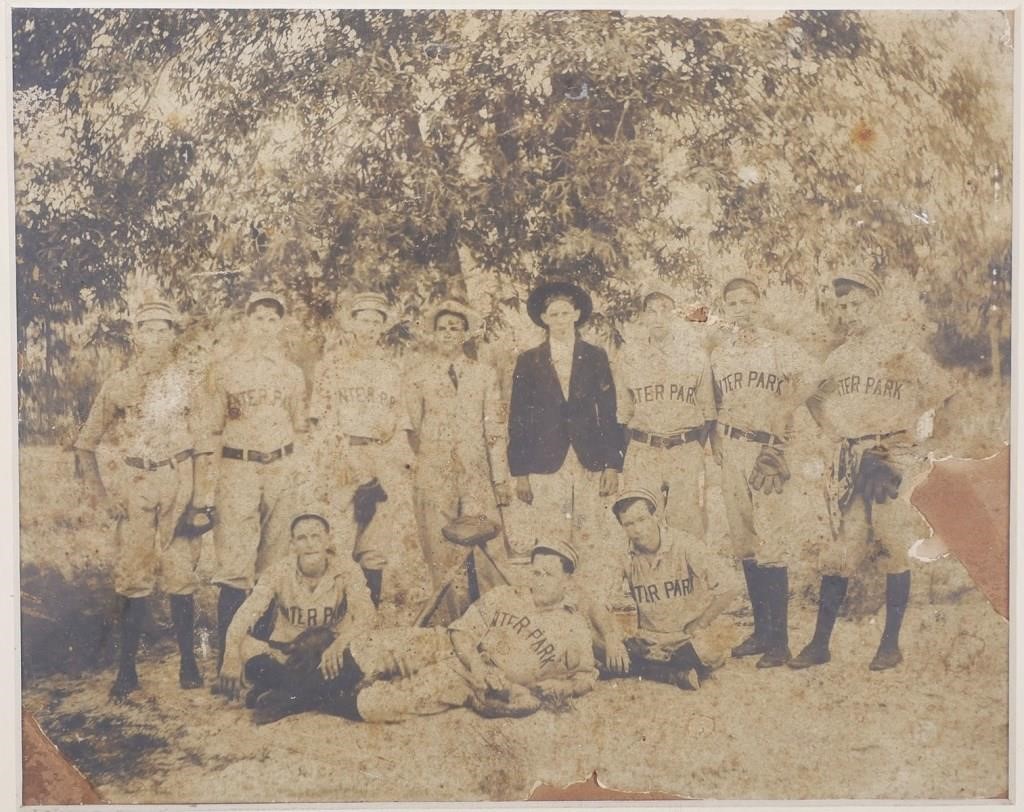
(421, 152)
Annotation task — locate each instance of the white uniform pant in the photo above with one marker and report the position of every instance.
(893, 525)
(674, 476)
(761, 526)
(251, 533)
(148, 553)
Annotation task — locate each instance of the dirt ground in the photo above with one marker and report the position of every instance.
(934, 728)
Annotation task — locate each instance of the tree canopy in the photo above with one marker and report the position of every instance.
(423, 152)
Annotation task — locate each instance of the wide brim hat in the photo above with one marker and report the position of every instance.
(473, 319)
(542, 294)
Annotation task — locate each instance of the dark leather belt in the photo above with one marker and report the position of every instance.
(352, 440)
(152, 465)
(876, 437)
(256, 456)
(762, 437)
(666, 440)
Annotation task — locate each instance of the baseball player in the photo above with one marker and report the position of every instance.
(361, 434)
(760, 377)
(146, 412)
(458, 434)
(514, 650)
(314, 588)
(256, 406)
(666, 402)
(875, 391)
(678, 592)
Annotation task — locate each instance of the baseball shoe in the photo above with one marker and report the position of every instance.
(751, 646)
(774, 657)
(125, 682)
(272, 706)
(188, 674)
(811, 655)
(885, 659)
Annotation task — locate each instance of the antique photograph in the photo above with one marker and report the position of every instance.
(463, 405)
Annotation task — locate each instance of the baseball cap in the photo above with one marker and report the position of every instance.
(563, 549)
(862, 276)
(635, 493)
(262, 296)
(156, 310)
(370, 301)
(310, 513)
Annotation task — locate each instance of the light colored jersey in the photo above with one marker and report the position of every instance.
(528, 644)
(141, 414)
(758, 377)
(255, 400)
(455, 420)
(875, 384)
(341, 592)
(671, 587)
(359, 396)
(664, 390)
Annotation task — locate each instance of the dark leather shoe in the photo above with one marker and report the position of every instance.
(751, 646)
(810, 656)
(886, 659)
(189, 675)
(775, 657)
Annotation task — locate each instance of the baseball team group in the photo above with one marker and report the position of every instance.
(541, 506)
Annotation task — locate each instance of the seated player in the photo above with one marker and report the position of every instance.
(513, 651)
(677, 592)
(313, 591)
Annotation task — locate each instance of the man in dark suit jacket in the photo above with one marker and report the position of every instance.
(565, 445)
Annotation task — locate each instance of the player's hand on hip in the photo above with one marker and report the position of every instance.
(523, 490)
(616, 658)
(503, 494)
(330, 662)
(609, 482)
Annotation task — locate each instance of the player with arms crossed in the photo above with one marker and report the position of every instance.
(665, 400)
(761, 377)
(146, 410)
(255, 407)
(875, 391)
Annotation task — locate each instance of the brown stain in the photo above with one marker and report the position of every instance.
(47, 777)
(967, 503)
(863, 135)
(591, 790)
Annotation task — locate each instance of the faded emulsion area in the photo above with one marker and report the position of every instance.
(453, 405)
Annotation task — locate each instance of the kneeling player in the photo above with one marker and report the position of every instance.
(677, 594)
(319, 598)
(514, 650)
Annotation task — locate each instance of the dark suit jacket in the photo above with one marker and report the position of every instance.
(543, 425)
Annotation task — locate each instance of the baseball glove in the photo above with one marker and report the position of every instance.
(469, 531)
(364, 502)
(516, 701)
(306, 650)
(770, 471)
(878, 479)
(195, 521)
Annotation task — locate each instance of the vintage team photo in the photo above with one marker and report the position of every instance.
(428, 406)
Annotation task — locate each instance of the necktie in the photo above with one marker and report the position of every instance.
(453, 375)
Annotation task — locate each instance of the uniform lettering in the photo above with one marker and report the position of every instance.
(875, 386)
(521, 625)
(255, 397)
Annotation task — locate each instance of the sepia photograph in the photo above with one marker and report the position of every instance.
(464, 406)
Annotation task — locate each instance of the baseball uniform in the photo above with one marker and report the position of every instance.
(361, 420)
(664, 398)
(256, 403)
(876, 389)
(459, 417)
(527, 643)
(758, 376)
(148, 419)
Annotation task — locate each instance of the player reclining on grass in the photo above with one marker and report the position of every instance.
(514, 650)
(320, 600)
(677, 593)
